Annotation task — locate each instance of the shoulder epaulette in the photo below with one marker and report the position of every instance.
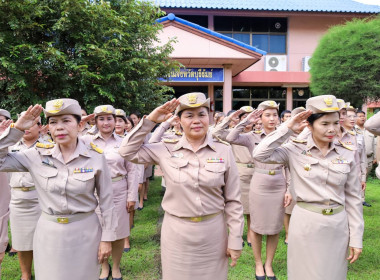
(45, 146)
(96, 148)
(178, 133)
(169, 140)
(51, 141)
(345, 146)
(300, 141)
(222, 141)
(351, 132)
(258, 131)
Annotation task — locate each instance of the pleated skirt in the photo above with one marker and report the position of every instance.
(24, 214)
(317, 245)
(266, 203)
(192, 250)
(67, 251)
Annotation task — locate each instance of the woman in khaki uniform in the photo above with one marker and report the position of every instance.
(328, 216)
(373, 126)
(69, 241)
(123, 182)
(5, 197)
(202, 192)
(268, 193)
(243, 158)
(24, 207)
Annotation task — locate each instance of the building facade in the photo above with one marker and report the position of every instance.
(262, 48)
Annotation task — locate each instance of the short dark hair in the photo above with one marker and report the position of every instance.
(285, 112)
(77, 118)
(123, 118)
(130, 120)
(137, 113)
(230, 112)
(360, 111)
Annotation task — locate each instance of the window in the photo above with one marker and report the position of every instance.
(268, 34)
(300, 95)
(200, 20)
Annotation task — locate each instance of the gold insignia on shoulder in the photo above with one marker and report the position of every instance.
(300, 141)
(328, 101)
(351, 132)
(96, 148)
(192, 98)
(12, 125)
(179, 133)
(221, 141)
(45, 146)
(258, 131)
(168, 140)
(345, 146)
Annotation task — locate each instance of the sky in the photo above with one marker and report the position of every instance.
(370, 2)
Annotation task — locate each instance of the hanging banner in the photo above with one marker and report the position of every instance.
(198, 75)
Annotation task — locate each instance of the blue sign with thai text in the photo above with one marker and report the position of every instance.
(196, 75)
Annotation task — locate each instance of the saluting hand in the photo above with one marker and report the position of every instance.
(87, 118)
(254, 116)
(234, 255)
(29, 118)
(297, 123)
(163, 112)
(235, 116)
(4, 125)
(354, 254)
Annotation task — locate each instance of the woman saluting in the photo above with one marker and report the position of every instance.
(69, 242)
(327, 218)
(202, 198)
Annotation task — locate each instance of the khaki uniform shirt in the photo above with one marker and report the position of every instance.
(5, 197)
(163, 131)
(64, 188)
(117, 165)
(321, 180)
(373, 124)
(198, 183)
(370, 143)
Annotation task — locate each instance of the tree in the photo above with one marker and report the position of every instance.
(346, 62)
(97, 52)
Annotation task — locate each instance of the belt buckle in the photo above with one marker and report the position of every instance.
(249, 165)
(196, 219)
(63, 220)
(328, 211)
(25, 189)
(272, 172)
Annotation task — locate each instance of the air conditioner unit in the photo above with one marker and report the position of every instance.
(305, 64)
(275, 63)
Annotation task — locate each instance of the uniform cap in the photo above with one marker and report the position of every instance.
(342, 104)
(104, 110)
(269, 104)
(351, 108)
(5, 113)
(322, 104)
(247, 109)
(192, 100)
(297, 110)
(64, 106)
(120, 113)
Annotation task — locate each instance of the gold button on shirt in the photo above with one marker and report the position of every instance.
(198, 183)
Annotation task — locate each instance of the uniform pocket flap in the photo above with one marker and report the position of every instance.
(215, 167)
(83, 176)
(49, 172)
(177, 163)
(342, 168)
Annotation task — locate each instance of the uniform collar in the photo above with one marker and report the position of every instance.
(81, 150)
(183, 143)
(99, 135)
(311, 144)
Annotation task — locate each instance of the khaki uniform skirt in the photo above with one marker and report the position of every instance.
(120, 200)
(245, 175)
(318, 245)
(188, 251)
(24, 214)
(67, 251)
(266, 203)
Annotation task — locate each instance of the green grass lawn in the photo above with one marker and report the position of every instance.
(143, 261)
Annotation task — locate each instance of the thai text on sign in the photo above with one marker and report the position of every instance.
(196, 75)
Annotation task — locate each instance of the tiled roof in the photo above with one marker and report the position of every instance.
(333, 6)
(172, 17)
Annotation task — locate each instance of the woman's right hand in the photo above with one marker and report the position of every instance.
(4, 125)
(105, 250)
(29, 118)
(297, 123)
(163, 112)
(253, 117)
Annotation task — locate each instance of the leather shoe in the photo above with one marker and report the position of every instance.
(126, 250)
(249, 244)
(260, 277)
(121, 278)
(367, 204)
